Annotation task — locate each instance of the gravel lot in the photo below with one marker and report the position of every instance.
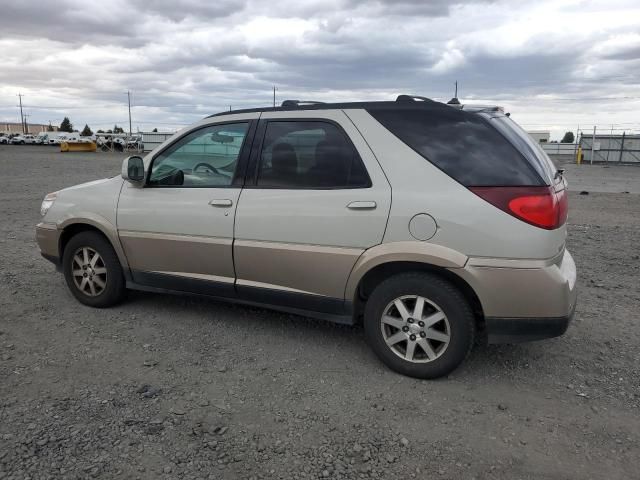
(175, 387)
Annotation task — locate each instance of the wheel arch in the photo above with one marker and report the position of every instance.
(72, 227)
(374, 276)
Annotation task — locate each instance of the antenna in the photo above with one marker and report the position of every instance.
(454, 100)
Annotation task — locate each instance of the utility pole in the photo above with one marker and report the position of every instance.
(593, 144)
(21, 115)
(456, 94)
(129, 100)
(274, 96)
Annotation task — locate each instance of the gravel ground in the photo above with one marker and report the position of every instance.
(175, 387)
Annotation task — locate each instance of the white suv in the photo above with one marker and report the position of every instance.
(22, 139)
(430, 223)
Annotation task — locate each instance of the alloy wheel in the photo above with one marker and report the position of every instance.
(415, 329)
(89, 271)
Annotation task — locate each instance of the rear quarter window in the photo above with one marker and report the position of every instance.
(461, 144)
(524, 143)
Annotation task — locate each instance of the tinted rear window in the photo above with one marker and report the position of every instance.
(461, 144)
(524, 143)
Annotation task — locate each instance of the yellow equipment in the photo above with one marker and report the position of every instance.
(78, 147)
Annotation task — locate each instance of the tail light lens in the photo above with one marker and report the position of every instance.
(543, 207)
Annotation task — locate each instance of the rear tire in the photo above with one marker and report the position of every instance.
(419, 325)
(92, 270)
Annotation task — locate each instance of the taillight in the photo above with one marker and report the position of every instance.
(544, 207)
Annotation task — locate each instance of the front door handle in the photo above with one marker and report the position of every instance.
(362, 205)
(221, 202)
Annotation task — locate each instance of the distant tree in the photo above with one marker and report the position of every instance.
(109, 131)
(66, 125)
(117, 129)
(86, 131)
(568, 138)
(50, 128)
(154, 130)
(100, 131)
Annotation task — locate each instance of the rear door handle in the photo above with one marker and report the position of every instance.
(362, 205)
(221, 202)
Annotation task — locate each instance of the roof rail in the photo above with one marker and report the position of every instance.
(412, 98)
(297, 103)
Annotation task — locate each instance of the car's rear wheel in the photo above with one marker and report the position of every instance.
(92, 270)
(419, 325)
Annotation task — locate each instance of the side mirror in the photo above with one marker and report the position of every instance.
(133, 169)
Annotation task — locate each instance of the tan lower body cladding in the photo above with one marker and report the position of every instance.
(205, 258)
(307, 269)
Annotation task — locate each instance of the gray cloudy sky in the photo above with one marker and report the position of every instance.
(552, 63)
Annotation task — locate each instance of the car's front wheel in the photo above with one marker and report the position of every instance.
(92, 270)
(419, 325)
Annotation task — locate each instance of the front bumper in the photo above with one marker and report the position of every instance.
(48, 238)
(524, 300)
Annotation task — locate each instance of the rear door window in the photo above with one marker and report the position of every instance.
(463, 145)
(309, 154)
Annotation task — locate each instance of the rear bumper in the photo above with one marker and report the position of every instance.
(518, 330)
(524, 300)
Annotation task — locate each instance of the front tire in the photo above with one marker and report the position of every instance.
(419, 325)
(92, 270)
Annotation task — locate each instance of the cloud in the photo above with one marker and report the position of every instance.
(450, 60)
(185, 59)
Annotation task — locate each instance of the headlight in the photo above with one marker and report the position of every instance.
(47, 203)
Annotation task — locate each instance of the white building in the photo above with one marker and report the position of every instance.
(540, 136)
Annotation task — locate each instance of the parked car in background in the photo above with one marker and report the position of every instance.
(290, 208)
(4, 139)
(23, 139)
(56, 139)
(42, 138)
(135, 143)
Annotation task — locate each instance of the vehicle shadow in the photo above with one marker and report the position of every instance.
(308, 333)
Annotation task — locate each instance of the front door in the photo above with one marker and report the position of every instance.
(177, 231)
(315, 199)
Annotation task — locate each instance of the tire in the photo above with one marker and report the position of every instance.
(447, 341)
(104, 285)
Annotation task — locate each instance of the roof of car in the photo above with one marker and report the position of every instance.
(403, 101)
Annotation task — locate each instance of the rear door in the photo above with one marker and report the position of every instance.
(315, 199)
(177, 231)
